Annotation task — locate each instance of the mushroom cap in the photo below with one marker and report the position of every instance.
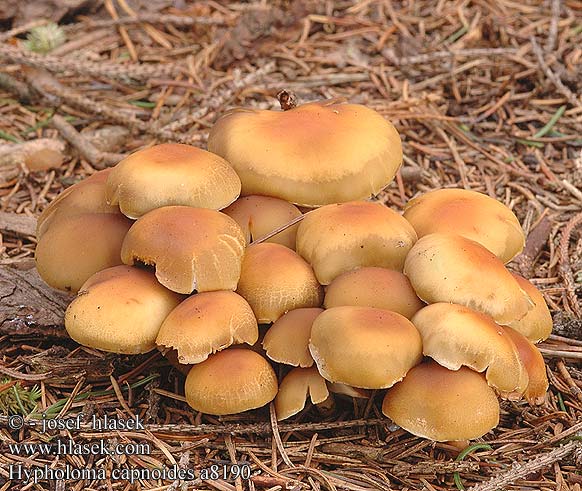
(295, 387)
(364, 347)
(75, 248)
(287, 340)
(341, 237)
(316, 154)
(533, 361)
(452, 268)
(191, 248)
(380, 288)
(171, 174)
(473, 215)
(537, 324)
(275, 279)
(455, 336)
(120, 310)
(230, 382)
(258, 216)
(206, 323)
(442, 405)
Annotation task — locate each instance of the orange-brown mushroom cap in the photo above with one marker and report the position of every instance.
(364, 347)
(470, 214)
(191, 248)
(171, 174)
(206, 323)
(452, 268)
(275, 279)
(316, 154)
(295, 387)
(442, 405)
(342, 237)
(229, 382)
(380, 288)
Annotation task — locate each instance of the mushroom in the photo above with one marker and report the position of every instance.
(206, 323)
(287, 340)
(364, 347)
(171, 174)
(312, 155)
(275, 279)
(75, 247)
(120, 310)
(536, 325)
(258, 216)
(471, 214)
(191, 248)
(295, 387)
(348, 390)
(380, 288)
(442, 405)
(342, 237)
(452, 268)
(455, 336)
(229, 382)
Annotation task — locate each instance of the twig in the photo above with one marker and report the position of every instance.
(175, 20)
(32, 377)
(16, 87)
(438, 55)
(18, 224)
(565, 268)
(536, 240)
(553, 31)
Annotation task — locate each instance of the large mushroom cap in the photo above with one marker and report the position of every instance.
(171, 174)
(275, 279)
(442, 405)
(230, 382)
(454, 335)
(74, 248)
(287, 340)
(260, 215)
(380, 288)
(452, 268)
(316, 154)
(208, 322)
(364, 347)
(191, 248)
(295, 387)
(470, 214)
(536, 325)
(120, 310)
(341, 237)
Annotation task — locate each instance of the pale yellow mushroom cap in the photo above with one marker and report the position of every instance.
(230, 382)
(171, 174)
(341, 237)
(295, 387)
(74, 248)
(442, 405)
(191, 248)
(287, 340)
(380, 288)
(451, 268)
(470, 214)
(533, 361)
(206, 323)
(260, 215)
(120, 310)
(275, 279)
(455, 336)
(364, 347)
(316, 154)
(537, 324)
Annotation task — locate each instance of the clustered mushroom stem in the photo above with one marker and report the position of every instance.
(287, 99)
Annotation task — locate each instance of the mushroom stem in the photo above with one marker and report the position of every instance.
(287, 99)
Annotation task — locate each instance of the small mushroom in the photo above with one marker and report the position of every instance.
(191, 248)
(442, 405)
(206, 323)
(171, 174)
(364, 347)
(295, 387)
(275, 279)
(120, 310)
(229, 382)
(380, 288)
(342, 237)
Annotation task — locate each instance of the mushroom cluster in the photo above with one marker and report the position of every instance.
(261, 254)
